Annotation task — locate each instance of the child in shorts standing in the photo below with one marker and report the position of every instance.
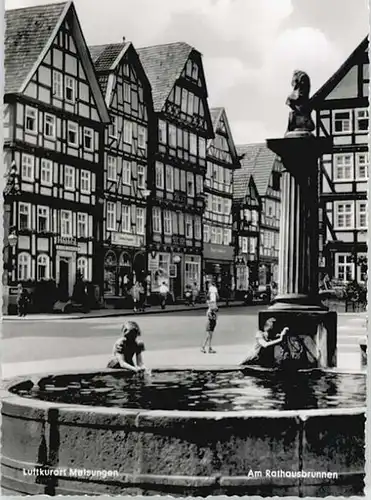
(210, 327)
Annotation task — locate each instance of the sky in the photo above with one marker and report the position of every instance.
(250, 48)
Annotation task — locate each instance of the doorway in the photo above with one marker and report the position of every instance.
(64, 278)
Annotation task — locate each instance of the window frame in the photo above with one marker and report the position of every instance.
(54, 126)
(58, 84)
(30, 167)
(35, 118)
(43, 163)
(82, 219)
(70, 126)
(142, 184)
(339, 156)
(140, 228)
(88, 132)
(156, 216)
(350, 265)
(159, 167)
(113, 127)
(83, 180)
(114, 216)
(47, 266)
(342, 132)
(142, 137)
(27, 277)
(111, 168)
(359, 213)
(126, 180)
(69, 172)
(357, 119)
(127, 217)
(70, 79)
(366, 164)
(168, 222)
(47, 217)
(338, 204)
(28, 206)
(70, 220)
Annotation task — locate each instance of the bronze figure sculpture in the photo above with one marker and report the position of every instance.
(300, 120)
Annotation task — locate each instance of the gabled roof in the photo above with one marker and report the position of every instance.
(163, 65)
(257, 160)
(28, 31)
(29, 34)
(331, 83)
(105, 57)
(216, 115)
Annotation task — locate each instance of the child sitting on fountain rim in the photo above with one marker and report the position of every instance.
(126, 347)
(210, 327)
(265, 341)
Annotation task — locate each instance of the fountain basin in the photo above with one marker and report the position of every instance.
(96, 450)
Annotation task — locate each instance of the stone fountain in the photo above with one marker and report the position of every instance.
(312, 328)
(84, 443)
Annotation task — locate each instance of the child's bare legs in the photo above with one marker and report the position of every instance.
(208, 339)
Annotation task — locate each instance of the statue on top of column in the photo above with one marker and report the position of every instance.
(300, 121)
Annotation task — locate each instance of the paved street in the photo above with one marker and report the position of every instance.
(171, 339)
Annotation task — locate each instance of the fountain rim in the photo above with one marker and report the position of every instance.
(302, 414)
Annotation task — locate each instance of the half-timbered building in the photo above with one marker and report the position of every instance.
(183, 125)
(53, 134)
(341, 107)
(246, 228)
(222, 160)
(127, 161)
(265, 168)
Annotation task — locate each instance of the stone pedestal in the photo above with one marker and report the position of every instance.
(312, 328)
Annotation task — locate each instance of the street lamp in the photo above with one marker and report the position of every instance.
(12, 240)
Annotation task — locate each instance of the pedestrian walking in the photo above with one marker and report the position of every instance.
(211, 316)
(142, 296)
(212, 293)
(194, 293)
(127, 347)
(164, 292)
(23, 300)
(135, 293)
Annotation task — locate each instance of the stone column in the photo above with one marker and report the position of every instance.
(298, 255)
(298, 305)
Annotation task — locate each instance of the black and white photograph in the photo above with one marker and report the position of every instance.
(185, 258)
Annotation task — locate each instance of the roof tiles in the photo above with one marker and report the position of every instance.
(27, 31)
(256, 160)
(163, 65)
(104, 56)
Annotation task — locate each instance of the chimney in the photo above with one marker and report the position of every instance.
(124, 39)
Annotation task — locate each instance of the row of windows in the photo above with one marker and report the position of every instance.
(217, 235)
(176, 223)
(50, 129)
(189, 103)
(46, 174)
(269, 239)
(344, 166)
(64, 87)
(125, 130)
(125, 171)
(346, 269)
(218, 204)
(219, 177)
(176, 137)
(248, 245)
(169, 178)
(271, 208)
(58, 222)
(43, 267)
(250, 216)
(127, 212)
(220, 149)
(345, 122)
(345, 212)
